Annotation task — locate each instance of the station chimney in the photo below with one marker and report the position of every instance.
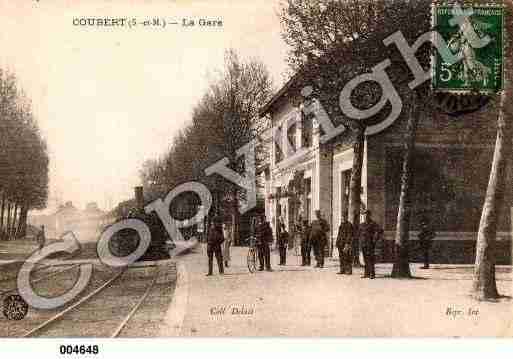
(139, 198)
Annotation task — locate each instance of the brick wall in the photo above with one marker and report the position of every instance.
(458, 151)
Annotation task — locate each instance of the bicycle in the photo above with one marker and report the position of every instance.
(252, 255)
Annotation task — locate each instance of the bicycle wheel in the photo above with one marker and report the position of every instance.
(252, 260)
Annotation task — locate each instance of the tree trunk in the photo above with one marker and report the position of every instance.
(22, 226)
(235, 218)
(355, 189)
(14, 222)
(483, 285)
(8, 225)
(2, 213)
(401, 268)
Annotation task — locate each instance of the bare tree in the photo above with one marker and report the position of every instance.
(232, 103)
(224, 120)
(401, 267)
(484, 286)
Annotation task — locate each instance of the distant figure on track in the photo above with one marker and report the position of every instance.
(41, 238)
(214, 241)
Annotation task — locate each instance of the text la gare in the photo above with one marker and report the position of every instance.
(187, 22)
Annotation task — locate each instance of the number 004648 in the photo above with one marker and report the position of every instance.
(78, 349)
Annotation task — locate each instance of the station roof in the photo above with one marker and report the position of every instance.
(264, 110)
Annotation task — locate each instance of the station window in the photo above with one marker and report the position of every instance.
(306, 130)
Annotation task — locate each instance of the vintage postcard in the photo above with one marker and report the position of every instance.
(268, 168)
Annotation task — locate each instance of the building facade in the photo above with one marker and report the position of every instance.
(452, 163)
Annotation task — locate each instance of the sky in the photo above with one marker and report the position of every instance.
(108, 98)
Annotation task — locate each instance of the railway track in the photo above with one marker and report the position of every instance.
(37, 269)
(65, 320)
(125, 321)
(14, 288)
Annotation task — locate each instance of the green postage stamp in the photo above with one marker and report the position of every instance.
(480, 68)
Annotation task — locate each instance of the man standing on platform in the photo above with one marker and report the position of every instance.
(318, 231)
(426, 236)
(264, 238)
(345, 246)
(214, 241)
(280, 230)
(306, 245)
(283, 242)
(369, 233)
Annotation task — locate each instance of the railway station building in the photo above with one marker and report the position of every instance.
(453, 157)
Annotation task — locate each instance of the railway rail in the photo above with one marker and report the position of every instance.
(37, 269)
(39, 279)
(51, 325)
(125, 321)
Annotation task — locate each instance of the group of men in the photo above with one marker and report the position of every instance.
(315, 236)
(368, 233)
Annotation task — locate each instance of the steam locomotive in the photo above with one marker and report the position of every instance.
(126, 241)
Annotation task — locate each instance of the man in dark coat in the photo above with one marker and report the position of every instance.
(426, 236)
(283, 242)
(214, 241)
(369, 233)
(318, 231)
(281, 226)
(345, 246)
(264, 238)
(306, 246)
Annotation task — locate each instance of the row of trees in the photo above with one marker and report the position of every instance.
(225, 119)
(331, 42)
(23, 160)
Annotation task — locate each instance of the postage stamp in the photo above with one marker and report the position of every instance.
(480, 68)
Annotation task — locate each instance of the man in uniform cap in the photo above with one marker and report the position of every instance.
(369, 233)
(426, 236)
(306, 246)
(318, 231)
(264, 237)
(214, 241)
(345, 246)
(283, 242)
